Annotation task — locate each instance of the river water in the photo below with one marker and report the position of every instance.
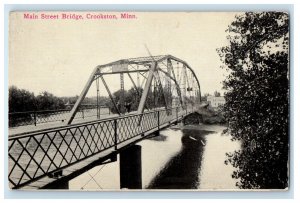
(190, 157)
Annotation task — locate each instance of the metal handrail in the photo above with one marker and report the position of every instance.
(75, 143)
(49, 130)
(35, 117)
(39, 111)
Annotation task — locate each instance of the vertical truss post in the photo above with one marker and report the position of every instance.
(157, 77)
(177, 86)
(199, 93)
(169, 92)
(192, 89)
(155, 94)
(122, 102)
(184, 85)
(98, 108)
(187, 82)
(177, 78)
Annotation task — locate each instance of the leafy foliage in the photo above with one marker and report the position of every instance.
(130, 96)
(217, 94)
(21, 100)
(46, 100)
(257, 94)
(154, 99)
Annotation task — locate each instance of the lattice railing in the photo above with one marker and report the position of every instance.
(51, 116)
(37, 117)
(38, 154)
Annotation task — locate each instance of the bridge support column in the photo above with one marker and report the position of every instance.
(131, 168)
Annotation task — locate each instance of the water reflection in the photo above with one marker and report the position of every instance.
(191, 158)
(181, 172)
(214, 174)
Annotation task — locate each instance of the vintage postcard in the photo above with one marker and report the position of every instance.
(141, 101)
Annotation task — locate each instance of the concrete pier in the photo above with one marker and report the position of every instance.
(131, 168)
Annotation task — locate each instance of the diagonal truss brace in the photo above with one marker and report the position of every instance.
(136, 89)
(110, 95)
(147, 88)
(85, 90)
(82, 95)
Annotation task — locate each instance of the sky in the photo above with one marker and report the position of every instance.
(58, 55)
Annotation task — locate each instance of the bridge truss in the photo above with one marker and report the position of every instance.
(164, 85)
(159, 82)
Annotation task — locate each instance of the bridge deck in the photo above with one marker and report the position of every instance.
(34, 156)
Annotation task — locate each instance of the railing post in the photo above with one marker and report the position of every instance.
(34, 116)
(158, 120)
(116, 133)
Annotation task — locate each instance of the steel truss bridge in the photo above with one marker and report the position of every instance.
(166, 90)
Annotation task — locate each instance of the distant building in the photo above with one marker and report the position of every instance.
(215, 101)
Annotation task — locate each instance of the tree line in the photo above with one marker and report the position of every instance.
(156, 98)
(21, 100)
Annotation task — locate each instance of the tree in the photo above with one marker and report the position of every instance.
(156, 98)
(131, 96)
(256, 97)
(217, 94)
(20, 100)
(47, 101)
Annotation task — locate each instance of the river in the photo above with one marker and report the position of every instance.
(190, 157)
